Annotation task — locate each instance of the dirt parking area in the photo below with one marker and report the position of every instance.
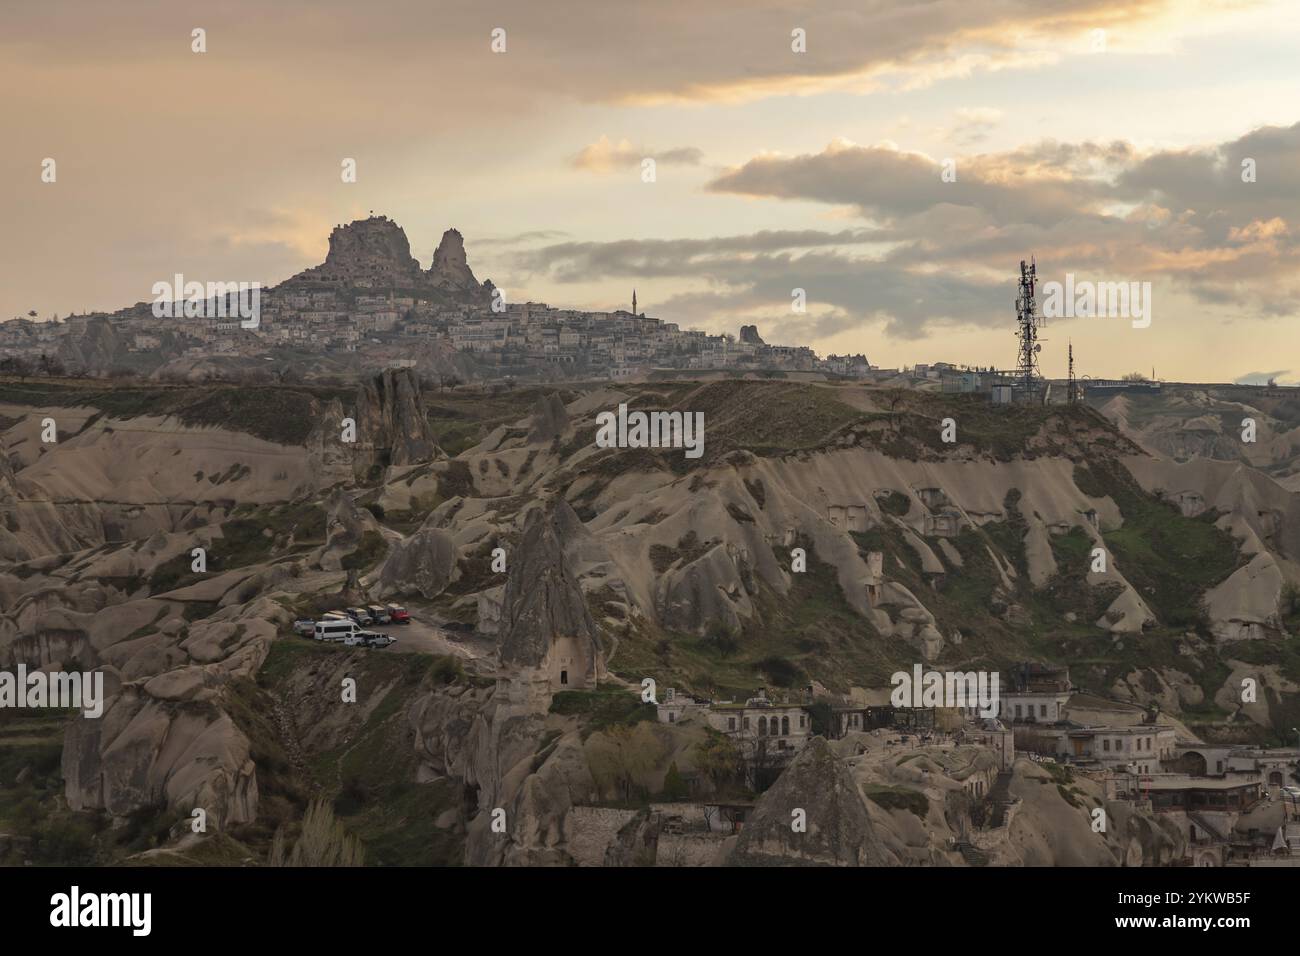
(426, 637)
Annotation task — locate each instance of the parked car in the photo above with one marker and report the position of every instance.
(1292, 792)
(360, 615)
(304, 626)
(398, 614)
(379, 614)
(380, 640)
(356, 639)
(334, 616)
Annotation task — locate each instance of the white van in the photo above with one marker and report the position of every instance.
(335, 630)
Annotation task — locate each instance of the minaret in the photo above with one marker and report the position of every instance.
(1072, 393)
(634, 303)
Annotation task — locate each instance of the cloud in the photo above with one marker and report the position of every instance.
(753, 278)
(698, 50)
(931, 254)
(972, 125)
(523, 238)
(604, 156)
(1185, 217)
(588, 261)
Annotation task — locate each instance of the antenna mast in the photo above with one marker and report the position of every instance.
(1029, 322)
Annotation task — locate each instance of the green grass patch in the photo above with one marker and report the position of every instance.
(1170, 559)
(368, 553)
(609, 706)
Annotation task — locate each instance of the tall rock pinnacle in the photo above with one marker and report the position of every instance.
(450, 269)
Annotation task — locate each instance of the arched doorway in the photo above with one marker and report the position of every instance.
(1194, 763)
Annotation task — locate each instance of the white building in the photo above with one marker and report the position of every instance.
(1045, 707)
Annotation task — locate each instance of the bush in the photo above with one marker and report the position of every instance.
(372, 548)
(447, 670)
(674, 786)
(604, 708)
(894, 503)
(1290, 604)
(65, 843)
(352, 797)
(721, 639)
(781, 672)
(821, 718)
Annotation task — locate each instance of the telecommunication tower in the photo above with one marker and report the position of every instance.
(1029, 321)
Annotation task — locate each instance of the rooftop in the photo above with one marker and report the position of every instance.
(1185, 781)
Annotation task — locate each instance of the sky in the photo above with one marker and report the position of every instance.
(896, 169)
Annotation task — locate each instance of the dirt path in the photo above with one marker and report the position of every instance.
(289, 737)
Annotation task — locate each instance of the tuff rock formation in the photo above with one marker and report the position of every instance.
(839, 831)
(450, 269)
(544, 605)
(549, 421)
(374, 248)
(391, 425)
(423, 564)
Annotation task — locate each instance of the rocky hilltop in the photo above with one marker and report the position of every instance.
(1185, 422)
(375, 253)
(375, 248)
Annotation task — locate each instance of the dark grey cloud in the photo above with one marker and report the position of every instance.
(756, 275)
(587, 261)
(884, 184)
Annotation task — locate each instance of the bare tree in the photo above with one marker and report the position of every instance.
(758, 761)
(16, 365)
(894, 401)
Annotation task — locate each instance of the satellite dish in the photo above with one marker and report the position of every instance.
(1038, 348)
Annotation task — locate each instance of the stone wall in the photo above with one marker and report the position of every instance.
(589, 832)
(690, 849)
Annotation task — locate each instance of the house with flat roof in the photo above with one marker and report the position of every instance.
(1140, 748)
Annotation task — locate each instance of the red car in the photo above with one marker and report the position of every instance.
(398, 614)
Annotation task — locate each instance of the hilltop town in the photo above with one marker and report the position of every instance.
(370, 306)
